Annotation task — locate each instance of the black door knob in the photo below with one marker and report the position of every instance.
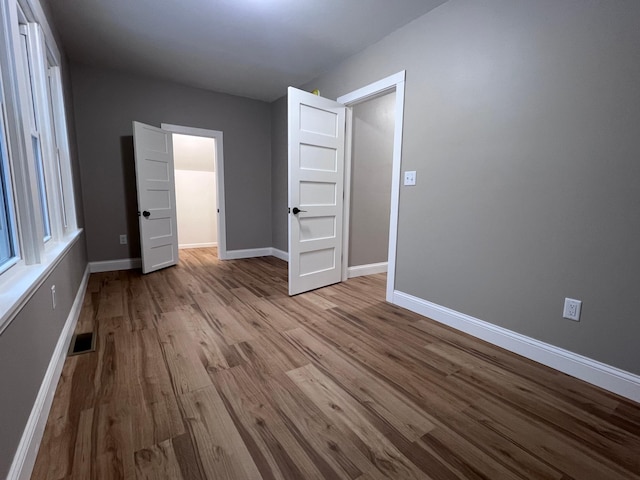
(146, 214)
(296, 210)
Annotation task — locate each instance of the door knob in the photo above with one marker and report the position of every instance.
(146, 214)
(296, 210)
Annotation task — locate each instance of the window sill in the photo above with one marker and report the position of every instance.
(20, 282)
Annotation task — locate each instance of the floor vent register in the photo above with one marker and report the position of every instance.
(82, 343)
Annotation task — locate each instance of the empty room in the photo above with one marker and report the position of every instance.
(323, 239)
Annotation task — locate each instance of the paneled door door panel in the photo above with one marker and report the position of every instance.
(316, 177)
(155, 179)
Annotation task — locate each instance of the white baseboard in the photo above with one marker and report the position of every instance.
(114, 265)
(248, 253)
(281, 254)
(25, 457)
(131, 263)
(370, 269)
(257, 252)
(602, 375)
(185, 246)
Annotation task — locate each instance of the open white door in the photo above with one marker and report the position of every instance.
(316, 178)
(156, 197)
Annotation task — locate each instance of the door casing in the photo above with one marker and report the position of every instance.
(393, 82)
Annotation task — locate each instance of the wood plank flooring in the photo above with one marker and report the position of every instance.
(208, 370)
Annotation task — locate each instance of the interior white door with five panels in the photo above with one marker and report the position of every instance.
(155, 179)
(316, 179)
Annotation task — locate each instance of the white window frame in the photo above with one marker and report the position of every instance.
(66, 207)
(38, 257)
(33, 121)
(5, 166)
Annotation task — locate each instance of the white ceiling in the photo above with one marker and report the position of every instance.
(252, 48)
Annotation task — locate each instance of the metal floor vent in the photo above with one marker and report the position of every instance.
(82, 343)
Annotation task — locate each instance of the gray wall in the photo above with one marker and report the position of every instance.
(106, 102)
(371, 161)
(279, 175)
(521, 119)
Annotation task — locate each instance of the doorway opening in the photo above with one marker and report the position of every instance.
(196, 205)
(368, 191)
(199, 187)
(392, 84)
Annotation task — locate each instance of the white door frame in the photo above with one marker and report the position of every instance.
(219, 168)
(388, 84)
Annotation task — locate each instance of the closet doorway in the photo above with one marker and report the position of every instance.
(199, 187)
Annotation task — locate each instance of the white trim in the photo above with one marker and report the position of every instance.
(373, 89)
(281, 254)
(186, 246)
(36, 14)
(370, 269)
(249, 253)
(62, 143)
(597, 373)
(257, 252)
(38, 65)
(133, 263)
(25, 457)
(346, 205)
(219, 169)
(395, 189)
(115, 265)
(396, 81)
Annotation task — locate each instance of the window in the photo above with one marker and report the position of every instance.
(58, 153)
(37, 205)
(8, 248)
(44, 127)
(35, 112)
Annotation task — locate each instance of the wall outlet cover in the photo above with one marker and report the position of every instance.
(572, 309)
(410, 177)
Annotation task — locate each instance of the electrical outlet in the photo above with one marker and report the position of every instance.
(123, 239)
(410, 178)
(572, 309)
(53, 296)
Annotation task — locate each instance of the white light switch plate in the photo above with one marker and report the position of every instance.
(410, 177)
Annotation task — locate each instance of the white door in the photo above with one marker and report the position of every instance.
(316, 178)
(156, 197)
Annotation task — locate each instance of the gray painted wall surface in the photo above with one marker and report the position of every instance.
(26, 347)
(106, 102)
(279, 175)
(371, 161)
(521, 119)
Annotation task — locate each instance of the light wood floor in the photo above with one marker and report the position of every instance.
(208, 370)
